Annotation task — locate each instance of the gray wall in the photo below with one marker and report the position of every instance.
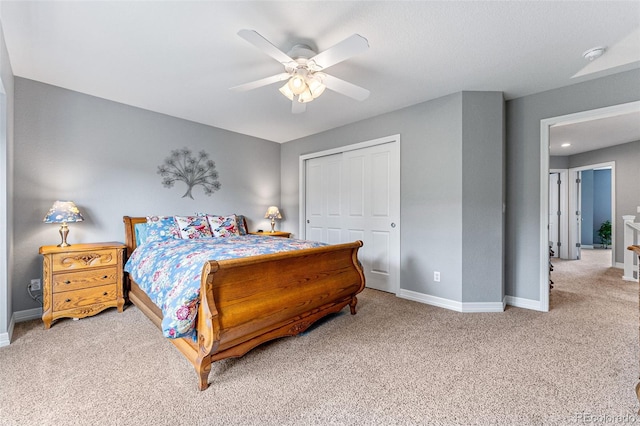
(627, 159)
(482, 196)
(558, 162)
(104, 156)
(6, 189)
(438, 139)
(523, 117)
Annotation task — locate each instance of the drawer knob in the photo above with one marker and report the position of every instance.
(105, 293)
(105, 277)
(67, 300)
(67, 282)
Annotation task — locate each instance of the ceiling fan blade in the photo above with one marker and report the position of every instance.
(262, 82)
(347, 48)
(297, 107)
(344, 87)
(265, 45)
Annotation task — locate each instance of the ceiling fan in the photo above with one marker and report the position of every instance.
(304, 69)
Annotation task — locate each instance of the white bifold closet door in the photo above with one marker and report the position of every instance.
(355, 195)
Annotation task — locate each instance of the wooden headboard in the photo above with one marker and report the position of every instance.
(130, 231)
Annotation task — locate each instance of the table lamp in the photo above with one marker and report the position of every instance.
(63, 212)
(273, 213)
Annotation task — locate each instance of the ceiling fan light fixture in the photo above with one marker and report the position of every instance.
(305, 96)
(286, 91)
(297, 84)
(302, 69)
(316, 87)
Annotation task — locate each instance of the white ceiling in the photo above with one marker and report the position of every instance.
(594, 134)
(180, 58)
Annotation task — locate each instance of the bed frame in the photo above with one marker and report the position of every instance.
(248, 301)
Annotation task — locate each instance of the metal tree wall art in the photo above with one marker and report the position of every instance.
(191, 169)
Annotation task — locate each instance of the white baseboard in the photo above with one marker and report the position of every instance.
(19, 316)
(520, 302)
(5, 338)
(452, 305)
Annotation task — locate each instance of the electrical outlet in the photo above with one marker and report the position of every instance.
(436, 276)
(35, 284)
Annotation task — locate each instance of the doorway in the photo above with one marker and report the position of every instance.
(591, 202)
(353, 193)
(545, 125)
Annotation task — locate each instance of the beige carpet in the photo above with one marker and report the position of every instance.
(396, 362)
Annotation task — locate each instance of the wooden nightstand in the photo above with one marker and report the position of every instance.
(81, 280)
(273, 234)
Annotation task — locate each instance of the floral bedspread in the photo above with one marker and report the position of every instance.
(169, 271)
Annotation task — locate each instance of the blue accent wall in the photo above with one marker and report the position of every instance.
(595, 204)
(586, 207)
(601, 200)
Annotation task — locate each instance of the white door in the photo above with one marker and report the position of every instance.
(324, 199)
(554, 213)
(575, 203)
(579, 215)
(355, 195)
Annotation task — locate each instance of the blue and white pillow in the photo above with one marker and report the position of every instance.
(161, 228)
(223, 226)
(192, 227)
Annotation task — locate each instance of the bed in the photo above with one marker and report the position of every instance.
(243, 302)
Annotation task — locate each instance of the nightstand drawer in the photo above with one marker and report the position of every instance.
(89, 296)
(84, 279)
(80, 260)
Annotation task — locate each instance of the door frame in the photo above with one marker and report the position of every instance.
(6, 318)
(545, 124)
(303, 188)
(563, 252)
(573, 197)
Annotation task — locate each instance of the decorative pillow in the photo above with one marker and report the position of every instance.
(242, 230)
(161, 228)
(192, 227)
(141, 233)
(223, 226)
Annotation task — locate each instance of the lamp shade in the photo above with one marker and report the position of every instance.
(63, 212)
(273, 213)
(286, 91)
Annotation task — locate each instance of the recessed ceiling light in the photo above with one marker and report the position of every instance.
(565, 145)
(593, 53)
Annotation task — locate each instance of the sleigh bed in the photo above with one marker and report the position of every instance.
(243, 302)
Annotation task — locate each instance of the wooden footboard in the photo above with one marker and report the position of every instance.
(245, 302)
